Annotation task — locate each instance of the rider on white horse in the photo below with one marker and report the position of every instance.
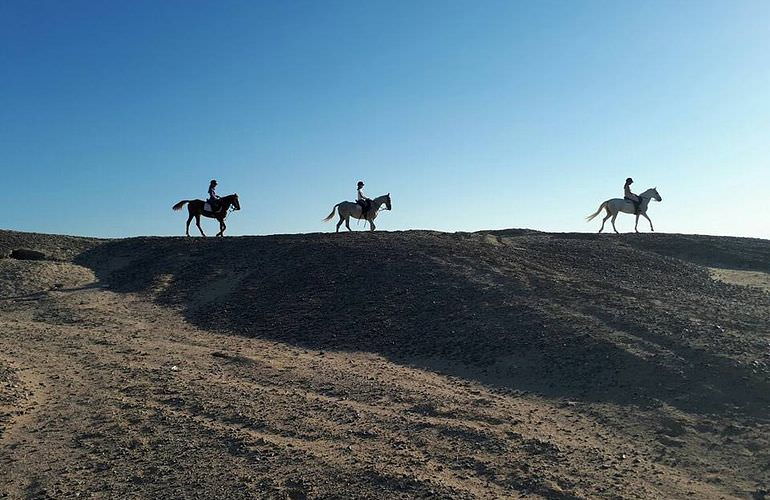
(628, 205)
(358, 209)
(361, 199)
(628, 195)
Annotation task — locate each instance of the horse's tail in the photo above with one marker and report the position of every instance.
(327, 219)
(179, 205)
(593, 215)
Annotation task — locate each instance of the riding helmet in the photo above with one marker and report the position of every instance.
(213, 181)
(629, 180)
(360, 183)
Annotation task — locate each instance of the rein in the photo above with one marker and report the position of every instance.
(230, 205)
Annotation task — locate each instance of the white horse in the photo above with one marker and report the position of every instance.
(616, 205)
(348, 209)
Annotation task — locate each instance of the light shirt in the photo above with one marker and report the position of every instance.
(361, 195)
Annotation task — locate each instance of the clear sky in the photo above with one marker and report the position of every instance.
(473, 114)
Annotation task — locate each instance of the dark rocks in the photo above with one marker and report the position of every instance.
(26, 254)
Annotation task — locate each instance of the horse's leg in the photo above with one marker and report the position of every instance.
(371, 225)
(347, 223)
(636, 224)
(613, 223)
(342, 219)
(648, 219)
(605, 220)
(198, 223)
(222, 228)
(187, 226)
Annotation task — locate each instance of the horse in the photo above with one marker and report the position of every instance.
(616, 205)
(348, 209)
(195, 209)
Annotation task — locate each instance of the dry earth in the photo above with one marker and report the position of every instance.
(409, 364)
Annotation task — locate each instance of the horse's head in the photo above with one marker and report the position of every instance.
(387, 202)
(651, 194)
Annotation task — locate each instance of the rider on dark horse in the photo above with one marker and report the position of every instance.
(213, 198)
(362, 200)
(628, 195)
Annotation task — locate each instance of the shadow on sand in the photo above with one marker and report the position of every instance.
(589, 318)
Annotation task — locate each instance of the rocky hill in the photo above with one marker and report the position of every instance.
(414, 363)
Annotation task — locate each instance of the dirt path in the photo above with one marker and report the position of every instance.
(114, 396)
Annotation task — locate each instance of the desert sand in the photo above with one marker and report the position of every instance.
(416, 364)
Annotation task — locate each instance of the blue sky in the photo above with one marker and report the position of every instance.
(474, 115)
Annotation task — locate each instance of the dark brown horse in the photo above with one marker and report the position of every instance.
(195, 209)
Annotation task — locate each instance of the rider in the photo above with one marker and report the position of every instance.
(362, 200)
(213, 198)
(628, 195)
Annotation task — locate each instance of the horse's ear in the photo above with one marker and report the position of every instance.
(388, 194)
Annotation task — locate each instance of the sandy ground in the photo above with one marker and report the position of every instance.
(382, 366)
(754, 279)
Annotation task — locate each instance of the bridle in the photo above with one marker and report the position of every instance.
(231, 206)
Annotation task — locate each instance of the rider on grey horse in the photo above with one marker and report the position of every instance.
(628, 195)
(213, 198)
(362, 200)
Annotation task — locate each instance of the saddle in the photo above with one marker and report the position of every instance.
(637, 205)
(208, 208)
(365, 205)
